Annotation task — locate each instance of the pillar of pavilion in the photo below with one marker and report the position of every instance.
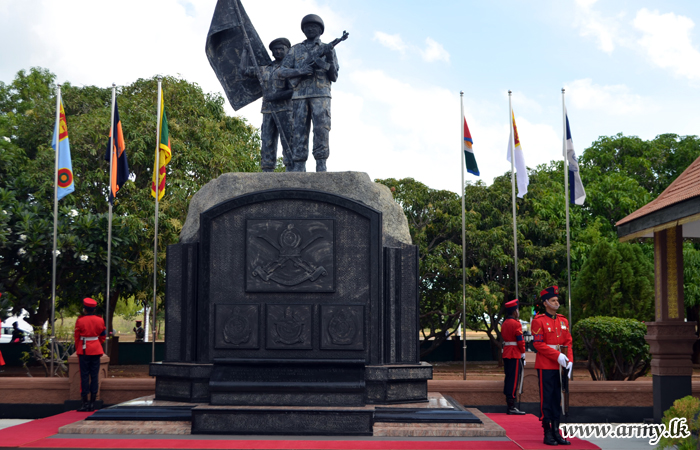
(671, 217)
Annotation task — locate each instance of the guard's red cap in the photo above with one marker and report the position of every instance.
(512, 304)
(89, 303)
(552, 291)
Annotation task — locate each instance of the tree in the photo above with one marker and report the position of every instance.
(206, 143)
(617, 280)
(434, 224)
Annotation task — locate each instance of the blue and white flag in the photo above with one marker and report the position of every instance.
(62, 146)
(576, 191)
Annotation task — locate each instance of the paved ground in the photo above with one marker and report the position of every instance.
(7, 423)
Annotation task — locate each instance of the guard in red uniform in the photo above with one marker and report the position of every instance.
(550, 331)
(513, 354)
(90, 334)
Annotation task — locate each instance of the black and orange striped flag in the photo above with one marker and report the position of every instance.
(120, 166)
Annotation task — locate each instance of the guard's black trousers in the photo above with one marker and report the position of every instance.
(513, 368)
(89, 371)
(550, 394)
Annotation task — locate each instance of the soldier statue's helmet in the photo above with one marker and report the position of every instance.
(283, 41)
(313, 18)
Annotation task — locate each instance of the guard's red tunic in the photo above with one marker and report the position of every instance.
(546, 331)
(512, 332)
(90, 326)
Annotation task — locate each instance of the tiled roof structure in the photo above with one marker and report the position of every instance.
(685, 187)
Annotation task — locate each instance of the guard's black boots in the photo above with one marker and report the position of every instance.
(91, 406)
(548, 433)
(512, 410)
(557, 434)
(84, 407)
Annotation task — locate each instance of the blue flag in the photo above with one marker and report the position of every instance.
(62, 146)
(576, 191)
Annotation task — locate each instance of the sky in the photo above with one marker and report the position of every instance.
(630, 67)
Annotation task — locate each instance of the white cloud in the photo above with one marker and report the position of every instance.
(610, 99)
(434, 51)
(667, 42)
(591, 23)
(523, 103)
(391, 41)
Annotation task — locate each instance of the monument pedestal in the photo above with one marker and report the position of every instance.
(289, 294)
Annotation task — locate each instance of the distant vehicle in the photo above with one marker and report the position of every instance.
(6, 336)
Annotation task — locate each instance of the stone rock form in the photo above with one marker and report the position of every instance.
(354, 185)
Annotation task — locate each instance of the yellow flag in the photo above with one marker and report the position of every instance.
(163, 153)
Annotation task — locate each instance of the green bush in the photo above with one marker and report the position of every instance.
(689, 408)
(616, 347)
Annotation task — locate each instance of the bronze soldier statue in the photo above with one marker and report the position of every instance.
(277, 94)
(311, 66)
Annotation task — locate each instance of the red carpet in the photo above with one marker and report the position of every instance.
(22, 435)
(274, 445)
(527, 432)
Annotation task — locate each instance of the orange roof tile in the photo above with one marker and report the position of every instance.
(685, 187)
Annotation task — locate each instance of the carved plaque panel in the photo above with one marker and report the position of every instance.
(342, 327)
(289, 327)
(290, 255)
(237, 326)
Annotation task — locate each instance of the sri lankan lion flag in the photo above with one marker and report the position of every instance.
(163, 153)
(61, 145)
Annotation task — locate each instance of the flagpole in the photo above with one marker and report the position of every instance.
(566, 194)
(464, 252)
(109, 227)
(156, 176)
(512, 182)
(57, 134)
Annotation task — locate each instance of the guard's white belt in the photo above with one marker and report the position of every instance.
(555, 347)
(510, 343)
(85, 339)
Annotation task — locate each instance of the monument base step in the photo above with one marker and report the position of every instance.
(439, 416)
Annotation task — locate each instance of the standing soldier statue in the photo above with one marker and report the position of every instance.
(552, 335)
(311, 67)
(277, 94)
(90, 334)
(513, 355)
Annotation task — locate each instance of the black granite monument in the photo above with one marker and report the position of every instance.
(289, 298)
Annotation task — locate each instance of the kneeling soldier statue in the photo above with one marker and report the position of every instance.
(554, 363)
(90, 335)
(513, 355)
